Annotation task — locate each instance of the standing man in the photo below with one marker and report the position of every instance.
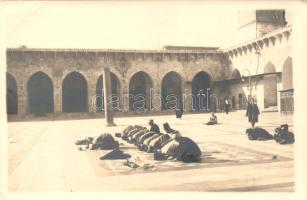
(226, 106)
(252, 112)
(153, 127)
(179, 112)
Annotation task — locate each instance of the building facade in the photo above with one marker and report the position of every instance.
(57, 82)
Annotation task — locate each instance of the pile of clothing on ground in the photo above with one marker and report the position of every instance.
(281, 135)
(169, 145)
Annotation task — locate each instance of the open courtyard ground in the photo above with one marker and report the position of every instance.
(43, 157)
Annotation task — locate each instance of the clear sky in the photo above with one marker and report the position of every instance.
(126, 25)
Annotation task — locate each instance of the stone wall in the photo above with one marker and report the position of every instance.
(22, 63)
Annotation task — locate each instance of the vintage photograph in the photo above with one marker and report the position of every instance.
(149, 96)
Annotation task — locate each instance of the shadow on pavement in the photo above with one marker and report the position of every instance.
(115, 155)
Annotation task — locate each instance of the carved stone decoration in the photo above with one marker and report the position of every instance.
(272, 39)
(279, 37)
(250, 48)
(260, 44)
(266, 42)
(191, 58)
(286, 34)
(239, 50)
(244, 48)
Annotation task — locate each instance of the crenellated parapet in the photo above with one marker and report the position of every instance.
(267, 41)
(120, 56)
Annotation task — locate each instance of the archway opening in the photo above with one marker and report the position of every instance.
(171, 91)
(201, 92)
(139, 91)
(74, 93)
(287, 75)
(40, 94)
(270, 86)
(235, 74)
(11, 95)
(286, 95)
(115, 86)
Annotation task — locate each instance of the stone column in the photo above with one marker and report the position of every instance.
(22, 96)
(187, 96)
(57, 95)
(125, 97)
(107, 93)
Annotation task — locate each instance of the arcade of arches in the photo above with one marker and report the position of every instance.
(74, 91)
(78, 88)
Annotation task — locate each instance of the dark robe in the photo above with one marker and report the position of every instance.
(258, 134)
(226, 107)
(154, 128)
(179, 113)
(252, 113)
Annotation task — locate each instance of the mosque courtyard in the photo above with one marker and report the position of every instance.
(43, 157)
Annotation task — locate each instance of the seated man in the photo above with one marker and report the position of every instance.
(153, 127)
(283, 136)
(213, 119)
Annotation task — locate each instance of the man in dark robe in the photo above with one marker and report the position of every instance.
(153, 127)
(226, 106)
(179, 112)
(252, 112)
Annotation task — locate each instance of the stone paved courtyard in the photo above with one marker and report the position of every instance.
(43, 157)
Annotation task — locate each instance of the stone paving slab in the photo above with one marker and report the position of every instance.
(214, 154)
(43, 157)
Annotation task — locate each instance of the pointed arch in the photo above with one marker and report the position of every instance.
(235, 74)
(74, 93)
(201, 91)
(287, 74)
(40, 94)
(11, 94)
(140, 85)
(270, 86)
(171, 91)
(115, 86)
(269, 68)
